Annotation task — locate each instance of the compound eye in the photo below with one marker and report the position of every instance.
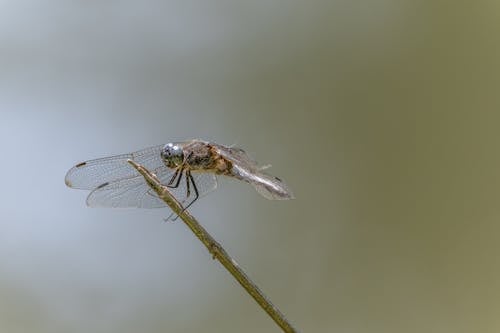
(172, 155)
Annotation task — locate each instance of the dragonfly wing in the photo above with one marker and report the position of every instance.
(134, 192)
(245, 168)
(129, 192)
(238, 156)
(91, 174)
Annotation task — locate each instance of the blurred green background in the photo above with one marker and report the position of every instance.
(382, 116)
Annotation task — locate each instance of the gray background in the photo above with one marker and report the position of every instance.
(381, 115)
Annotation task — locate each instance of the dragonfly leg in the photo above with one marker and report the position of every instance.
(196, 194)
(179, 172)
(173, 177)
(176, 173)
(188, 189)
(189, 178)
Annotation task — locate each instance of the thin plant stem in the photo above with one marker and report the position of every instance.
(215, 248)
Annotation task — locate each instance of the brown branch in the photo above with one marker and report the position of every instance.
(215, 248)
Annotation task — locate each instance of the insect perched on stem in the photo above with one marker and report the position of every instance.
(188, 168)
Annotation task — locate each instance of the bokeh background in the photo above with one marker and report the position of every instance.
(383, 117)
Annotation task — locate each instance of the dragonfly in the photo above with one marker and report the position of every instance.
(189, 169)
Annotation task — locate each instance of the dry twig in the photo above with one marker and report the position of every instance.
(215, 248)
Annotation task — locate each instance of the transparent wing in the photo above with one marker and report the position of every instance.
(238, 156)
(128, 192)
(134, 192)
(245, 168)
(91, 174)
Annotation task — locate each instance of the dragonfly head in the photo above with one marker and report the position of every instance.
(172, 155)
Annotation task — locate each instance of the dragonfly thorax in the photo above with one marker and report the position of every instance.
(172, 155)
